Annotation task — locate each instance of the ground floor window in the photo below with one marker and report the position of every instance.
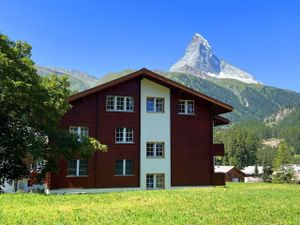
(124, 167)
(78, 167)
(155, 181)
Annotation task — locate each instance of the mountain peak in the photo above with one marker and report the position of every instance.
(198, 38)
(199, 60)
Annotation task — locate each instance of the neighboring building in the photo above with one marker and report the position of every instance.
(159, 134)
(250, 170)
(232, 174)
(296, 168)
(250, 174)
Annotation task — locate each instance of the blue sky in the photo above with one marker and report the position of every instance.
(261, 37)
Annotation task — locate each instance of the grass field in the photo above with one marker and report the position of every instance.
(234, 204)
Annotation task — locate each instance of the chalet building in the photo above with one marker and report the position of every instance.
(232, 173)
(159, 134)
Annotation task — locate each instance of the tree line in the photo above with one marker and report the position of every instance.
(244, 146)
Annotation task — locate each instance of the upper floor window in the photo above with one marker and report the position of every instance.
(124, 135)
(124, 167)
(186, 107)
(119, 103)
(155, 149)
(78, 167)
(79, 131)
(155, 104)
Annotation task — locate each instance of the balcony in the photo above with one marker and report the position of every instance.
(218, 179)
(218, 149)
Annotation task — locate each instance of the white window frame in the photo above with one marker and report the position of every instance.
(124, 136)
(154, 106)
(154, 181)
(124, 169)
(125, 98)
(186, 107)
(155, 149)
(77, 169)
(79, 128)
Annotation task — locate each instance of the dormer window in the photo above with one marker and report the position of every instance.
(119, 103)
(186, 107)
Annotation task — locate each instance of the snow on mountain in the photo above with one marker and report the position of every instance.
(229, 71)
(200, 61)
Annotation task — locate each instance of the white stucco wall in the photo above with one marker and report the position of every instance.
(155, 127)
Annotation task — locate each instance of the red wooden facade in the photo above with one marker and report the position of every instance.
(192, 150)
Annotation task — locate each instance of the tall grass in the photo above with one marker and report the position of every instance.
(233, 204)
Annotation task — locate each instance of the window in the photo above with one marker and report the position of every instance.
(78, 167)
(155, 181)
(80, 131)
(155, 149)
(186, 107)
(119, 103)
(124, 135)
(124, 167)
(155, 104)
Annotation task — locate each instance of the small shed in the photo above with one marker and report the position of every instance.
(232, 173)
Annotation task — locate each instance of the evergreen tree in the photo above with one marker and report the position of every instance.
(283, 156)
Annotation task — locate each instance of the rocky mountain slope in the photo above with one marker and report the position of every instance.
(199, 60)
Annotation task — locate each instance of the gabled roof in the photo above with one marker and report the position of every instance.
(218, 106)
(226, 169)
(223, 169)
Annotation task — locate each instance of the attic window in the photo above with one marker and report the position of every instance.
(186, 107)
(155, 104)
(119, 103)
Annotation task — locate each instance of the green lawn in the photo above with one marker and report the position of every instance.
(234, 204)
